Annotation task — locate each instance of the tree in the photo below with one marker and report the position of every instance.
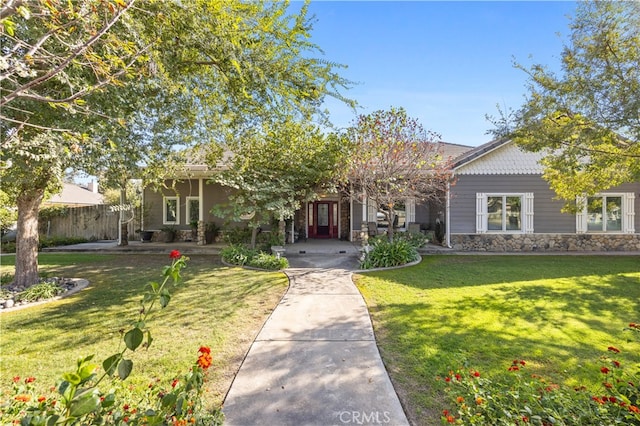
(278, 167)
(394, 159)
(586, 119)
(77, 76)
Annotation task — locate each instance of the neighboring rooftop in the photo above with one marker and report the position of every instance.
(73, 195)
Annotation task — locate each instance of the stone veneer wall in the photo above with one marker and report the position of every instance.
(546, 242)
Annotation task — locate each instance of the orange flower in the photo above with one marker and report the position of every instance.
(22, 398)
(479, 401)
(204, 360)
(459, 400)
(42, 399)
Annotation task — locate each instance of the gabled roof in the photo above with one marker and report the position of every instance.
(453, 150)
(75, 195)
(497, 157)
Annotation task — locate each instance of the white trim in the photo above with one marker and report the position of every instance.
(201, 195)
(481, 213)
(526, 213)
(627, 214)
(188, 208)
(410, 211)
(165, 199)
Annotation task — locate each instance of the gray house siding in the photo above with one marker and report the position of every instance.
(547, 217)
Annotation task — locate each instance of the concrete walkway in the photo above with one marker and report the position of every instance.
(315, 362)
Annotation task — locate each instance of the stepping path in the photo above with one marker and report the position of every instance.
(315, 362)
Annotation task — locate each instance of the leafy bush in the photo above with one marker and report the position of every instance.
(43, 290)
(518, 398)
(241, 256)
(237, 236)
(268, 261)
(237, 254)
(385, 254)
(265, 240)
(417, 240)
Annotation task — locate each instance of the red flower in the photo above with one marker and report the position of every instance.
(634, 325)
(30, 379)
(447, 379)
(514, 368)
(16, 379)
(476, 374)
(42, 399)
(174, 383)
(451, 419)
(616, 363)
(604, 370)
(634, 409)
(205, 349)
(175, 254)
(458, 377)
(459, 400)
(613, 349)
(608, 385)
(445, 412)
(525, 419)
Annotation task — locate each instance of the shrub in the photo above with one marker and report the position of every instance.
(265, 240)
(517, 398)
(237, 254)
(417, 240)
(269, 262)
(42, 290)
(385, 254)
(237, 236)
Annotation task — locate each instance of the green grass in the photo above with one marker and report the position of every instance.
(559, 313)
(217, 306)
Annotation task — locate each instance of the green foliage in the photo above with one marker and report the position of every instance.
(585, 118)
(265, 240)
(519, 397)
(241, 255)
(415, 239)
(40, 291)
(237, 236)
(385, 254)
(269, 262)
(81, 401)
(237, 254)
(8, 212)
(10, 247)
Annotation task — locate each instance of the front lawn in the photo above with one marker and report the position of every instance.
(216, 306)
(559, 313)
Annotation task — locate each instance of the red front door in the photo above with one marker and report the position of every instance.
(323, 219)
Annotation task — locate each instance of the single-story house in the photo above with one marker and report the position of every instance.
(500, 202)
(190, 199)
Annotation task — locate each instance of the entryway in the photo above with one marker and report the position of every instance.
(323, 219)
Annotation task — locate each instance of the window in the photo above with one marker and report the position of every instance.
(405, 213)
(509, 213)
(170, 210)
(607, 213)
(193, 209)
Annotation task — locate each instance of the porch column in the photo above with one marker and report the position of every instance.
(201, 227)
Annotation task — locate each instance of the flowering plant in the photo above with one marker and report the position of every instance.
(519, 399)
(78, 399)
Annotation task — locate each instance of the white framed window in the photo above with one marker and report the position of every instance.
(608, 213)
(193, 209)
(504, 213)
(405, 213)
(170, 210)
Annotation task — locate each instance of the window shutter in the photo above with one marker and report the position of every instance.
(528, 213)
(372, 211)
(410, 207)
(581, 215)
(628, 215)
(481, 213)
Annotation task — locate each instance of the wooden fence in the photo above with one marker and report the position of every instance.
(90, 222)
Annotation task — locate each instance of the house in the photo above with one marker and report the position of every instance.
(190, 197)
(73, 195)
(500, 202)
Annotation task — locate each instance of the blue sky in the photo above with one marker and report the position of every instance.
(447, 63)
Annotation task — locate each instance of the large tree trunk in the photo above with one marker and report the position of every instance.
(27, 238)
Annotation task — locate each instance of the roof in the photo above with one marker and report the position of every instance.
(76, 195)
(453, 150)
(499, 157)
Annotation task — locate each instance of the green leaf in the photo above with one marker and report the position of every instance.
(133, 338)
(164, 300)
(124, 368)
(149, 339)
(84, 403)
(86, 372)
(110, 364)
(168, 400)
(72, 378)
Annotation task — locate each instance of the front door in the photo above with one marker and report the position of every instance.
(323, 219)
